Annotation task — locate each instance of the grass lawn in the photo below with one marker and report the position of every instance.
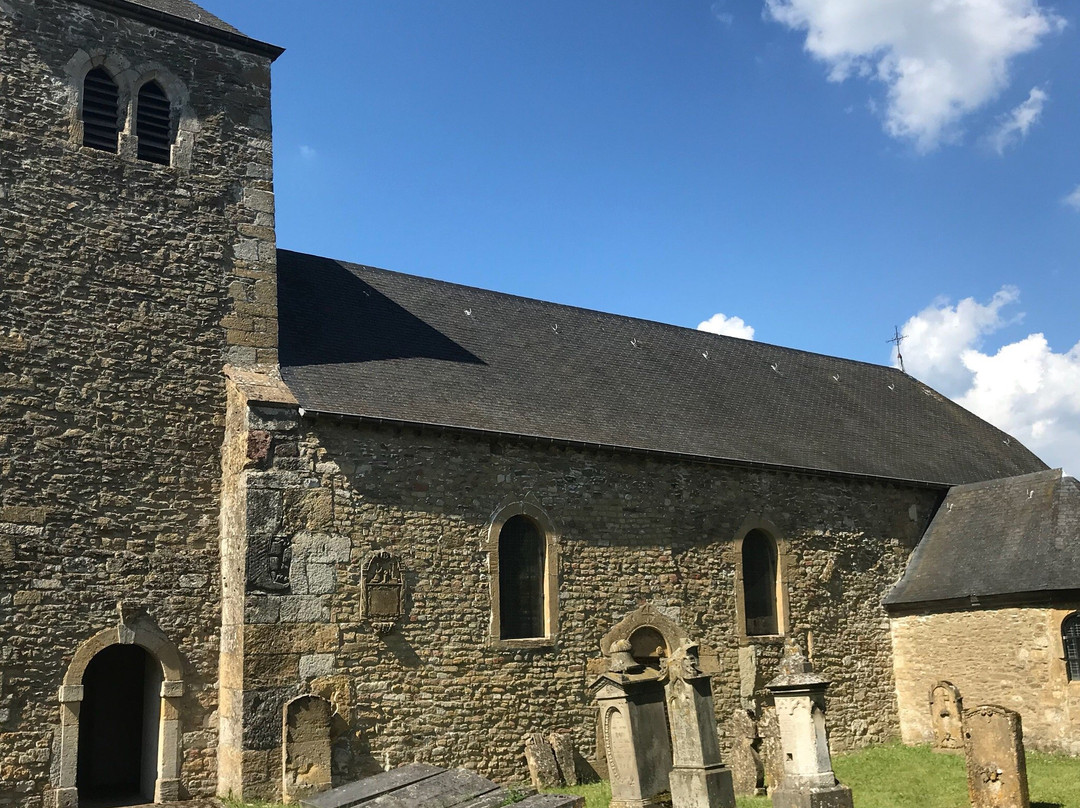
(914, 777)
(896, 777)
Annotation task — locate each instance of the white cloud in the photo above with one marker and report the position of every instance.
(1073, 199)
(308, 153)
(1024, 388)
(1014, 126)
(939, 59)
(728, 326)
(720, 15)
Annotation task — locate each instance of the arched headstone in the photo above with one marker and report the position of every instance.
(306, 758)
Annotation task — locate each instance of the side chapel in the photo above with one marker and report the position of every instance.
(253, 499)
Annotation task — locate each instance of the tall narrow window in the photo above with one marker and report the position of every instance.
(153, 124)
(100, 111)
(759, 583)
(1070, 634)
(521, 579)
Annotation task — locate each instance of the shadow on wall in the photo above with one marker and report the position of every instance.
(330, 316)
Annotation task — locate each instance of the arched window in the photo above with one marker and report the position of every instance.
(100, 110)
(521, 579)
(759, 560)
(1070, 635)
(153, 124)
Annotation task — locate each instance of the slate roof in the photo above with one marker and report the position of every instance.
(1004, 537)
(186, 10)
(186, 15)
(361, 341)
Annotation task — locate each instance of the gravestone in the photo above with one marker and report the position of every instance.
(543, 768)
(946, 717)
(799, 695)
(562, 744)
(633, 716)
(747, 770)
(994, 754)
(772, 752)
(306, 748)
(698, 778)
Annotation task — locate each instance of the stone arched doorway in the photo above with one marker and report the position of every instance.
(119, 723)
(119, 712)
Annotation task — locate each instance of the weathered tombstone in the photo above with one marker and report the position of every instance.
(638, 747)
(543, 768)
(747, 770)
(994, 753)
(562, 744)
(946, 717)
(772, 751)
(306, 748)
(799, 694)
(698, 778)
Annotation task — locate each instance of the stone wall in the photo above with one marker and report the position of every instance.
(631, 529)
(126, 286)
(1011, 657)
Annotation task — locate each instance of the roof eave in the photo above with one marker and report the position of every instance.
(185, 26)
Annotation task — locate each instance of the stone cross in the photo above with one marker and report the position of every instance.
(799, 694)
(994, 753)
(698, 778)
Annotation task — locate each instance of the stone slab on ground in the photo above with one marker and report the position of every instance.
(422, 786)
(370, 787)
(551, 801)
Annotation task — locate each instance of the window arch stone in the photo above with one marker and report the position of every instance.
(139, 631)
(549, 567)
(756, 530)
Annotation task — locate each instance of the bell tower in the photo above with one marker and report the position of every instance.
(137, 258)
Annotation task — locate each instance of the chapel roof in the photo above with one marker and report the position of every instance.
(187, 14)
(360, 341)
(1019, 535)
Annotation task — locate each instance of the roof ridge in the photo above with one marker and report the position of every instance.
(613, 315)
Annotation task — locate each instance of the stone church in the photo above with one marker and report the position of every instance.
(258, 506)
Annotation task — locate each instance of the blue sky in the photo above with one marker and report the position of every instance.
(821, 169)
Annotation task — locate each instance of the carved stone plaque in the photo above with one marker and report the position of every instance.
(383, 591)
(620, 747)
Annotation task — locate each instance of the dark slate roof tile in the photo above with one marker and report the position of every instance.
(187, 10)
(367, 342)
(1004, 537)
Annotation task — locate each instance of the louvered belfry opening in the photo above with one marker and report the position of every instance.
(100, 111)
(153, 124)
